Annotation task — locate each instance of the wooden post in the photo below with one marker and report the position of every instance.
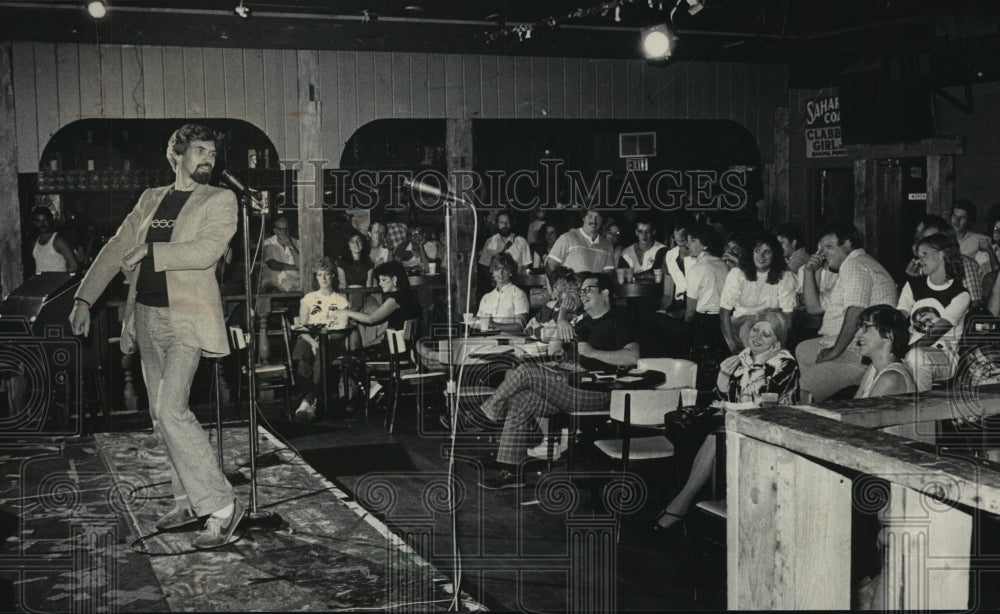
(926, 561)
(310, 199)
(865, 209)
(11, 267)
(458, 149)
(788, 530)
(779, 205)
(940, 184)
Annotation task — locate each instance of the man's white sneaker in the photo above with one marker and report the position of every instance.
(542, 450)
(306, 411)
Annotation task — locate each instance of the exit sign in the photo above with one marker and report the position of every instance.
(637, 164)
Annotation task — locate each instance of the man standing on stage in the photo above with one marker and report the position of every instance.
(167, 247)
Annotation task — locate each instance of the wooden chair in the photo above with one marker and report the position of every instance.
(406, 370)
(271, 375)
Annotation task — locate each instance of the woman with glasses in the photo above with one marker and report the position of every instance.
(884, 338)
(936, 304)
(557, 314)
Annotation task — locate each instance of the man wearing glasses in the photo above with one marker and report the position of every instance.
(531, 391)
(281, 259)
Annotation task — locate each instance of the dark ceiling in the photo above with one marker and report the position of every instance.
(945, 42)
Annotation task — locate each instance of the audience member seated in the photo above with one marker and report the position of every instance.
(396, 234)
(973, 281)
(555, 317)
(972, 244)
(583, 249)
(506, 305)
(533, 391)
(321, 306)
(281, 260)
(735, 246)
(763, 367)
(354, 269)
(548, 235)
(613, 233)
(831, 361)
(936, 304)
(506, 241)
(647, 253)
(52, 253)
(790, 237)
(883, 337)
(413, 254)
(705, 280)
(379, 252)
(760, 283)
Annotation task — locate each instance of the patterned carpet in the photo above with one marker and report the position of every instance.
(72, 513)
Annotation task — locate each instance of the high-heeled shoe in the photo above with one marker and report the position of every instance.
(679, 522)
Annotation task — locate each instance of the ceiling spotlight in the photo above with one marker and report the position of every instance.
(241, 10)
(694, 6)
(97, 9)
(658, 42)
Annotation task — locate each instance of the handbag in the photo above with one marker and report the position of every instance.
(688, 424)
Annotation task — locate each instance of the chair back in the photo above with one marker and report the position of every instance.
(680, 373)
(643, 407)
(286, 338)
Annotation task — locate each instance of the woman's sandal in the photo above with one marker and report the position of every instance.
(657, 527)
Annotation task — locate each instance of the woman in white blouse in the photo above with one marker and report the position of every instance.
(506, 305)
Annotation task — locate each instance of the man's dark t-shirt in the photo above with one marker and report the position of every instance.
(606, 333)
(151, 286)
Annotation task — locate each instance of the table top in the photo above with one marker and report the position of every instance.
(481, 349)
(635, 379)
(324, 330)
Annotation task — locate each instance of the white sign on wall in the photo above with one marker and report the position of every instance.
(823, 128)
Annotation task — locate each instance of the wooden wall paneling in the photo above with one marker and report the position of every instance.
(650, 93)
(153, 99)
(489, 79)
(454, 86)
(419, 86)
(174, 97)
(589, 88)
(723, 91)
(472, 86)
(111, 80)
(557, 87)
(293, 101)
(506, 87)
(940, 184)
(865, 195)
(539, 87)
(91, 103)
(328, 97)
(25, 106)
(194, 82)
(694, 79)
(678, 93)
(132, 83)
(11, 266)
(619, 89)
(573, 101)
(46, 92)
(366, 87)
(253, 87)
(383, 85)
(215, 83)
(709, 87)
(522, 87)
(274, 103)
(635, 90)
(603, 88)
(667, 80)
(436, 88)
(68, 81)
(347, 100)
(234, 84)
(402, 99)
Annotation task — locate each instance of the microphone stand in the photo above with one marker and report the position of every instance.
(246, 200)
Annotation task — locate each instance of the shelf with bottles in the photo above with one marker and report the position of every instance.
(51, 182)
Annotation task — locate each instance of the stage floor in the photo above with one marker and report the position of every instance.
(77, 519)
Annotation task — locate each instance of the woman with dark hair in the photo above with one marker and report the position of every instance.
(322, 306)
(612, 231)
(563, 308)
(764, 367)
(354, 269)
(884, 338)
(398, 302)
(761, 282)
(936, 304)
(547, 238)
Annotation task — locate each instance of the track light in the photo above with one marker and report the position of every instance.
(658, 42)
(241, 10)
(97, 9)
(694, 6)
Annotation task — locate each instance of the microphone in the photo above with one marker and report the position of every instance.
(242, 190)
(429, 190)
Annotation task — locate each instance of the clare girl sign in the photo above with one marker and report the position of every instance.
(823, 128)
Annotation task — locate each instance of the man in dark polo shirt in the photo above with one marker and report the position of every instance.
(531, 391)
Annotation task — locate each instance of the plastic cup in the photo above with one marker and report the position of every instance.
(432, 268)
(467, 317)
(658, 276)
(769, 399)
(689, 396)
(621, 276)
(484, 323)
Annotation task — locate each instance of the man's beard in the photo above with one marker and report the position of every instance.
(202, 175)
(504, 232)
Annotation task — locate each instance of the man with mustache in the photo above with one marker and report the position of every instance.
(167, 247)
(583, 249)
